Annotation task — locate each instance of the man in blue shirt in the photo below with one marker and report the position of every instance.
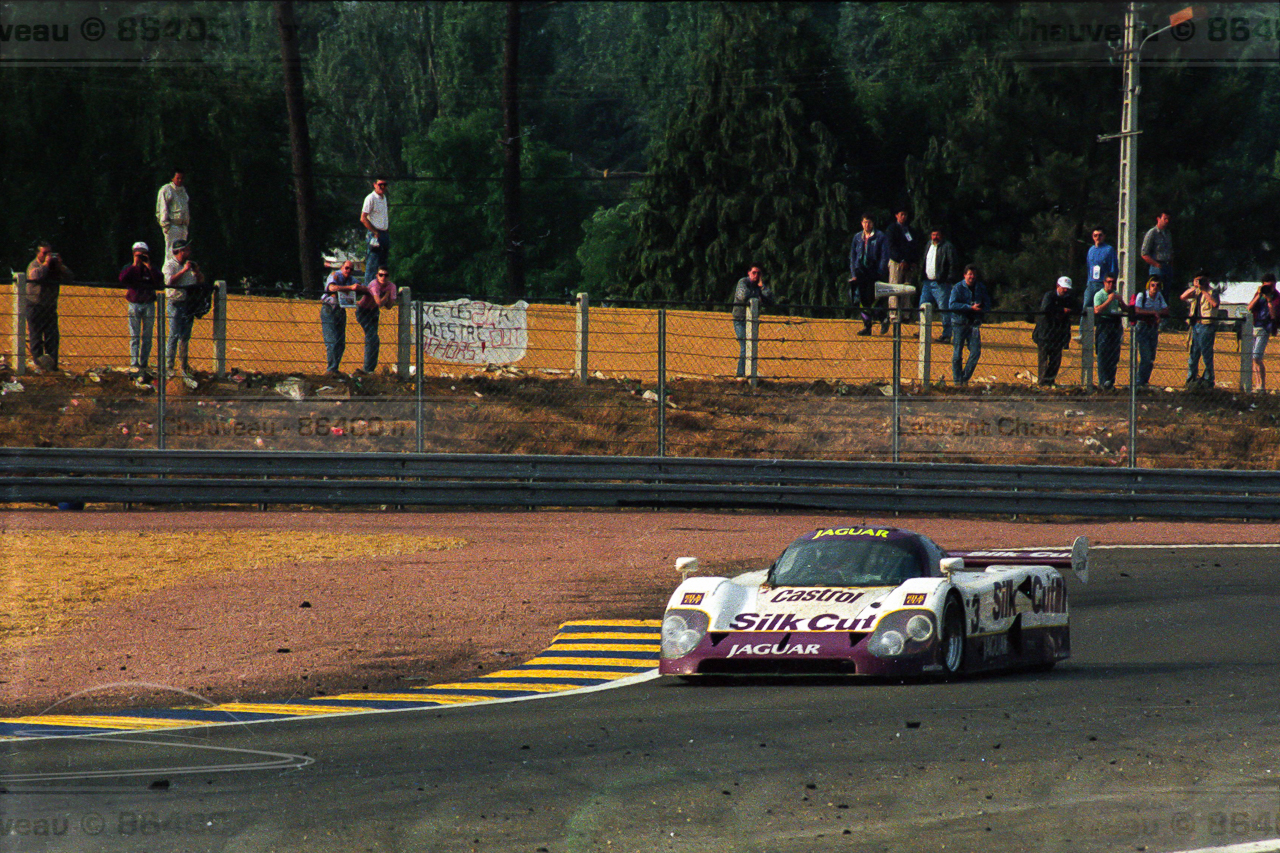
(970, 304)
(1100, 262)
(868, 263)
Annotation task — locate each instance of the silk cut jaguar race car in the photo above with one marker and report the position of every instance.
(874, 601)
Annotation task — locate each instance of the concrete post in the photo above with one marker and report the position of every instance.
(582, 323)
(753, 340)
(1086, 348)
(404, 330)
(1246, 352)
(19, 324)
(926, 340)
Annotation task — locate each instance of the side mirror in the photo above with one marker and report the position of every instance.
(951, 564)
(686, 566)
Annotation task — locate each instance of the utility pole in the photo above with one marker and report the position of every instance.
(513, 245)
(1126, 236)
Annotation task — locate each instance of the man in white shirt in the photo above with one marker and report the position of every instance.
(173, 212)
(374, 217)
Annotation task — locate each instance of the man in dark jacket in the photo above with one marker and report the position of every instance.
(143, 280)
(749, 287)
(906, 248)
(1053, 329)
(941, 268)
(868, 263)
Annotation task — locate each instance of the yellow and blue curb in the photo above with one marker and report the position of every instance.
(584, 654)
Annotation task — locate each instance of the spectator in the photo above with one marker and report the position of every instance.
(868, 263)
(1052, 330)
(173, 212)
(181, 276)
(750, 287)
(1202, 304)
(380, 294)
(339, 294)
(376, 219)
(1149, 309)
(143, 281)
(940, 264)
(1157, 252)
(45, 277)
(1106, 331)
(906, 248)
(1265, 309)
(1100, 262)
(969, 303)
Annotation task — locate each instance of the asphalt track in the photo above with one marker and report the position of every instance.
(1162, 733)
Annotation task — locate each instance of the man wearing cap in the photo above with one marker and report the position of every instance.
(1149, 308)
(45, 277)
(1106, 331)
(1265, 310)
(1202, 303)
(1053, 328)
(173, 212)
(181, 274)
(142, 280)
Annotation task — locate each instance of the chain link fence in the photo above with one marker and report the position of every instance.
(625, 378)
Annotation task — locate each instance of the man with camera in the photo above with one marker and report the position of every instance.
(142, 280)
(1202, 301)
(181, 275)
(45, 276)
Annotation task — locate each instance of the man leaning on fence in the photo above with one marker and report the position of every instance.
(45, 276)
(181, 276)
(1106, 332)
(381, 293)
(940, 267)
(1264, 308)
(142, 280)
(1149, 308)
(749, 287)
(1202, 302)
(970, 304)
(1052, 329)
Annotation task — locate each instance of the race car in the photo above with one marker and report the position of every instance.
(878, 601)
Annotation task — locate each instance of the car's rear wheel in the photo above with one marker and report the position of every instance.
(953, 637)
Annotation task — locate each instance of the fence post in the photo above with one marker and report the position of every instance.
(19, 324)
(404, 329)
(581, 322)
(753, 340)
(220, 329)
(416, 307)
(1246, 352)
(162, 363)
(662, 381)
(1086, 347)
(926, 338)
(897, 379)
(1133, 391)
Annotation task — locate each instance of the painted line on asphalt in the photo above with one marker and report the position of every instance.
(585, 656)
(1181, 547)
(1271, 845)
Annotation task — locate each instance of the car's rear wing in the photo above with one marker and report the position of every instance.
(1076, 558)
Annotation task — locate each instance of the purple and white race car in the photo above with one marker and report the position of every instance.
(874, 601)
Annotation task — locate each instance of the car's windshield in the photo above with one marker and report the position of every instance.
(844, 562)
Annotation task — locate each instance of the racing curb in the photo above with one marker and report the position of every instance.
(584, 654)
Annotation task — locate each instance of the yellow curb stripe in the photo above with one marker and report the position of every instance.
(626, 623)
(586, 661)
(533, 672)
(98, 722)
(411, 697)
(578, 638)
(290, 709)
(602, 647)
(499, 685)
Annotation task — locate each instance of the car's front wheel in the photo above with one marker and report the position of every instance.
(953, 637)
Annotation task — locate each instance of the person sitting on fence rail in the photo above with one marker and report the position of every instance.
(1052, 330)
(1202, 300)
(1265, 310)
(381, 293)
(970, 303)
(45, 276)
(1149, 308)
(142, 280)
(181, 276)
(340, 291)
(751, 286)
(1107, 334)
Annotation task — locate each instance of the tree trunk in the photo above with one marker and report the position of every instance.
(513, 245)
(299, 144)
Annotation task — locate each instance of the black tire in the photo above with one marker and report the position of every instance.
(951, 649)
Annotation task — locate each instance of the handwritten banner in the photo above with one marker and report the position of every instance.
(465, 331)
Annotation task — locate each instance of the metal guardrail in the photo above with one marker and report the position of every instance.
(452, 480)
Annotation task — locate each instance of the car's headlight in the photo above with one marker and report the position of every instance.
(903, 632)
(682, 630)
